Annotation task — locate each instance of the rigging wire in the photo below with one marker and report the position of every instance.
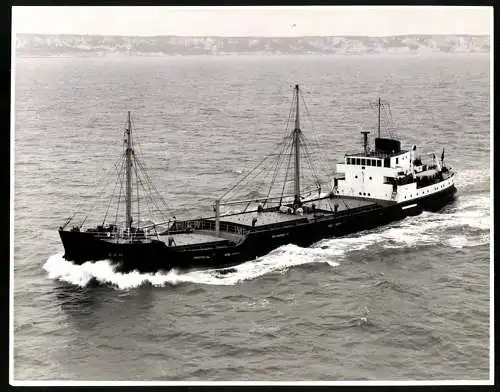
(137, 190)
(275, 163)
(143, 165)
(279, 164)
(119, 198)
(278, 161)
(114, 188)
(285, 148)
(246, 176)
(281, 158)
(140, 181)
(286, 176)
(152, 189)
(97, 185)
(152, 185)
(255, 173)
(308, 157)
(322, 158)
(147, 194)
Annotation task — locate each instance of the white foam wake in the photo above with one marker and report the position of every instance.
(471, 218)
(280, 260)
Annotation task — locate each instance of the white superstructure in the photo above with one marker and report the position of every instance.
(389, 173)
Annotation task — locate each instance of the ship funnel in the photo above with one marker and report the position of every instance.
(365, 141)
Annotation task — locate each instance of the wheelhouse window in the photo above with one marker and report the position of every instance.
(363, 161)
(379, 163)
(358, 161)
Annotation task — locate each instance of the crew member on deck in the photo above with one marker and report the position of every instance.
(296, 202)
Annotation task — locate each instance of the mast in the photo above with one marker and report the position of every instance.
(128, 194)
(296, 142)
(379, 104)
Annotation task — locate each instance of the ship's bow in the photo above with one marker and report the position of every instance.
(80, 247)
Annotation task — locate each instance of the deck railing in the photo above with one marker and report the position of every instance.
(372, 154)
(119, 235)
(206, 224)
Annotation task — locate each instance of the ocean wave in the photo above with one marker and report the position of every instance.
(471, 178)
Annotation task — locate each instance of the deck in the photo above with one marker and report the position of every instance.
(326, 206)
(233, 228)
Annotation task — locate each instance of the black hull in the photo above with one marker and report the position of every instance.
(153, 256)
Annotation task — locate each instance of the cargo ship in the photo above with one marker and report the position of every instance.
(374, 186)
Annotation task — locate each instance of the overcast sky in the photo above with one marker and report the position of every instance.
(252, 21)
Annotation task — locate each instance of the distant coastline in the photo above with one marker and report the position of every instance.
(40, 45)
